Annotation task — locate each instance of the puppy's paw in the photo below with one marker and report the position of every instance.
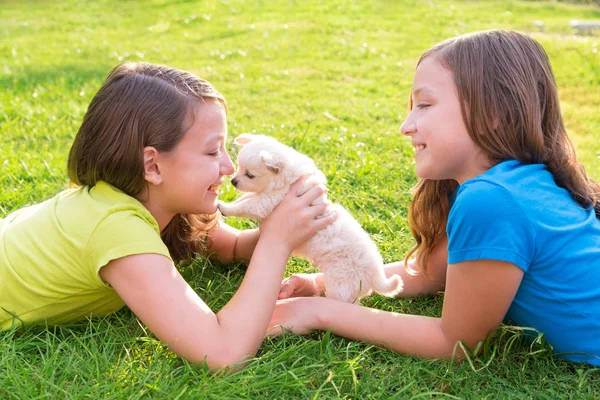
(225, 208)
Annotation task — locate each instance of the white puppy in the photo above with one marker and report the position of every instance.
(350, 261)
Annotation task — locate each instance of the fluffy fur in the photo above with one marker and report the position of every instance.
(343, 252)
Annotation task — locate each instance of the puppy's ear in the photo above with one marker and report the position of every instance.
(273, 163)
(243, 139)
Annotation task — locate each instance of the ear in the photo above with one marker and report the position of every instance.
(273, 163)
(151, 171)
(243, 139)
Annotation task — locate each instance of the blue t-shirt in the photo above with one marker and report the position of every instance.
(516, 213)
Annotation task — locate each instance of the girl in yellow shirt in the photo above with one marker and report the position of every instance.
(148, 161)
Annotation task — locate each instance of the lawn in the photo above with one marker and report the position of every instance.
(330, 78)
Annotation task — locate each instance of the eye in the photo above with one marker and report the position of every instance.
(249, 175)
(215, 153)
(422, 105)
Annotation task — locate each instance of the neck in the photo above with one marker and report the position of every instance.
(161, 216)
(480, 165)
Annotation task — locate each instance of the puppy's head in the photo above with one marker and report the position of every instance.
(265, 165)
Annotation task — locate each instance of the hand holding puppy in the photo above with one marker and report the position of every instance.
(295, 219)
(285, 190)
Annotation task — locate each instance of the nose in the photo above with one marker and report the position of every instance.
(409, 126)
(234, 182)
(227, 167)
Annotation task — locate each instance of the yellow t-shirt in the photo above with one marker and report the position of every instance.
(50, 254)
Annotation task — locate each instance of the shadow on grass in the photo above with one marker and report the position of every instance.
(69, 77)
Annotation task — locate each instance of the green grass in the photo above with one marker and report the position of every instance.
(329, 77)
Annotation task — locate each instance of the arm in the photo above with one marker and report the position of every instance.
(417, 283)
(414, 284)
(478, 295)
(159, 296)
(229, 244)
(155, 291)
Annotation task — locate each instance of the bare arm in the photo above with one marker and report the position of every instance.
(229, 244)
(414, 284)
(418, 283)
(477, 297)
(155, 291)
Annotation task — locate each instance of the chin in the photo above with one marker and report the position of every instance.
(421, 174)
(426, 173)
(209, 210)
(206, 209)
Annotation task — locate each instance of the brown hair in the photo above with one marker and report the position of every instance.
(510, 106)
(139, 105)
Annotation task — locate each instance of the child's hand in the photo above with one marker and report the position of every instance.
(296, 219)
(301, 285)
(298, 315)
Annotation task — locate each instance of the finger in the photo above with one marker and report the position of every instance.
(326, 201)
(295, 188)
(284, 294)
(324, 222)
(285, 291)
(313, 194)
(274, 330)
(289, 286)
(317, 210)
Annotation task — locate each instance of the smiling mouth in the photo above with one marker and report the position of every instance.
(419, 148)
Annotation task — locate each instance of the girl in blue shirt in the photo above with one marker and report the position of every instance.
(504, 217)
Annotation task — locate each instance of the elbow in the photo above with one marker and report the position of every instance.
(453, 346)
(225, 258)
(461, 349)
(228, 359)
(231, 361)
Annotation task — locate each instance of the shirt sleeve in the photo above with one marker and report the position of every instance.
(122, 234)
(486, 223)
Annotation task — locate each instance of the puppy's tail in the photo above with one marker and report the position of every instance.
(387, 286)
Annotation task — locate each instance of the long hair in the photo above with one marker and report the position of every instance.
(139, 105)
(510, 106)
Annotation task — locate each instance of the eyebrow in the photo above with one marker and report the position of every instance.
(422, 89)
(219, 138)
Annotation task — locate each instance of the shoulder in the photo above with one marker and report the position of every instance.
(487, 221)
(484, 199)
(487, 209)
(506, 188)
(85, 208)
(120, 226)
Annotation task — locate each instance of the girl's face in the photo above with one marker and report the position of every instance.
(193, 171)
(444, 149)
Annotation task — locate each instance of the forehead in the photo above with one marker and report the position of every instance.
(210, 122)
(209, 112)
(432, 77)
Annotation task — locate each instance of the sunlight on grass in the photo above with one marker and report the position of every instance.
(329, 78)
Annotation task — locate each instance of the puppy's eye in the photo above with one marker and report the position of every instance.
(249, 175)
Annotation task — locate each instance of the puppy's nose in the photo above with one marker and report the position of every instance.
(234, 182)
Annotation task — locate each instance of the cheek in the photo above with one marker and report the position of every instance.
(206, 173)
(210, 170)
